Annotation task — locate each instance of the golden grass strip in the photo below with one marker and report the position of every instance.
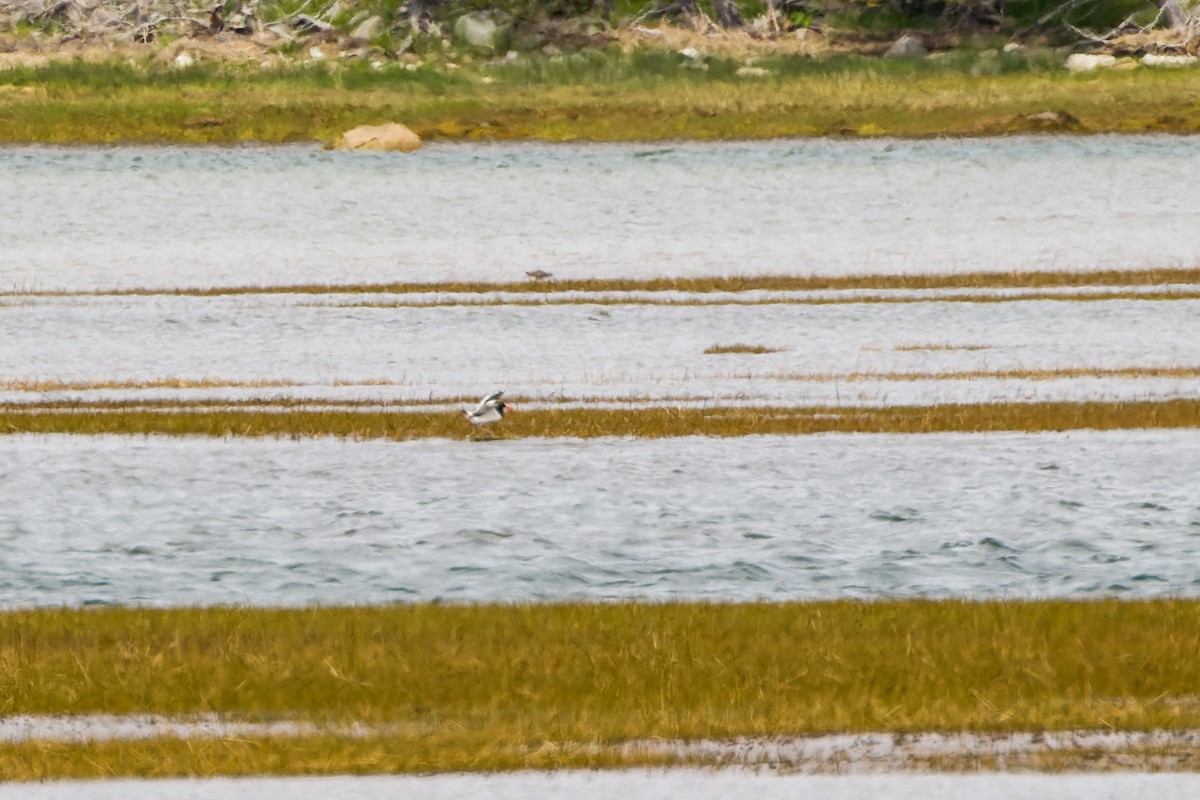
(739, 349)
(499, 686)
(700, 300)
(50, 385)
(400, 754)
(1016, 373)
(703, 284)
(920, 346)
(309, 755)
(641, 423)
(45, 386)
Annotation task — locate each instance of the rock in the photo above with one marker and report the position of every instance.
(183, 60)
(907, 46)
(1158, 40)
(389, 136)
(306, 24)
(172, 54)
(1087, 62)
(104, 19)
(476, 29)
(281, 33)
(369, 29)
(1161, 60)
(690, 53)
(1046, 121)
(752, 72)
(240, 21)
(527, 35)
(1014, 47)
(653, 33)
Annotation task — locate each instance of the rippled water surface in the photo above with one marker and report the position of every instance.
(635, 785)
(77, 218)
(165, 521)
(190, 521)
(834, 354)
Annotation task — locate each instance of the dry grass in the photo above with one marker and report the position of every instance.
(48, 385)
(906, 348)
(1016, 373)
(387, 753)
(502, 687)
(76, 404)
(711, 284)
(746, 349)
(701, 300)
(590, 423)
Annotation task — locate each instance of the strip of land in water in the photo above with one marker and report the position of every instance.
(439, 688)
(585, 423)
(282, 402)
(1168, 281)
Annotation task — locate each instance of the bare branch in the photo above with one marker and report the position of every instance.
(1125, 27)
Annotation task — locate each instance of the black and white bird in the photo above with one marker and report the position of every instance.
(489, 411)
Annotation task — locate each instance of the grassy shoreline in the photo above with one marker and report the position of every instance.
(602, 96)
(132, 419)
(518, 686)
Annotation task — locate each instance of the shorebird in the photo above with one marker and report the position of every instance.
(489, 411)
(539, 274)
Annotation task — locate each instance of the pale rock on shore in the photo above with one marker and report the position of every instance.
(385, 137)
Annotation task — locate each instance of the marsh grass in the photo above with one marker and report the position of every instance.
(918, 347)
(49, 385)
(639, 403)
(608, 96)
(739, 349)
(384, 753)
(656, 422)
(503, 687)
(701, 300)
(712, 284)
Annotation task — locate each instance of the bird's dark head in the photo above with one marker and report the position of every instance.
(500, 406)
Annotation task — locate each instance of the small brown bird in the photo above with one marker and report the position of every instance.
(539, 274)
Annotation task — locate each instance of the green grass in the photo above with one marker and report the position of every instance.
(609, 96)
(499, 687)
(589, 423)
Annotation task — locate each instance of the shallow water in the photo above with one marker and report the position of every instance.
(162, 521)
(79, 218)
(189, 521)
(589, 351)
(636, 785)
